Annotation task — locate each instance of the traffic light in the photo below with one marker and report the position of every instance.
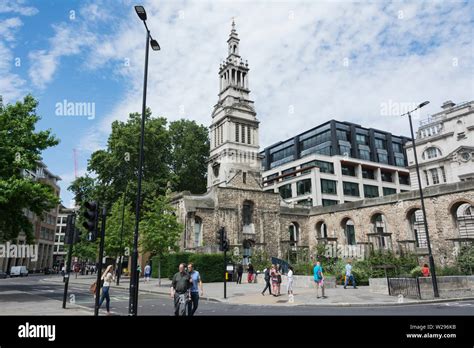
(222, 240)
(77, 235)
(70, 221)
(91, 214)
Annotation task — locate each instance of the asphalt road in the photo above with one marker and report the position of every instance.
(34, 290)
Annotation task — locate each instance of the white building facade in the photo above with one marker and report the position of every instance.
(445, 146)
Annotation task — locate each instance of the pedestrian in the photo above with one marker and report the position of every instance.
(180, 286)
(319, 279)
(107, 277)
(139, 271)
(289, 286)
(196, 282)
(147, 271)
(278, 280)
(266, 274)
(250, 273)
(425, 270)
(274, 277)
(240, 271)
(349, 275)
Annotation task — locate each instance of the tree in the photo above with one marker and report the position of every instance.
(189, 154)
(113, 229)
(159, 228)
(117, 165)
(20, 149)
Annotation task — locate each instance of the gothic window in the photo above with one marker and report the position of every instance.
(349, 231)
(237, 127)
(417, 226)
(247, 212)
(248, 135)
(197, 231)
(294, 232)
(243, 134)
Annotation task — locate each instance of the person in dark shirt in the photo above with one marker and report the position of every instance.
(240, 271)
(180, 290)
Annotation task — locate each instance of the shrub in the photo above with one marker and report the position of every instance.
(209, 266)
(448, 271)
(303, 268)
(164, 267)
(465, 259)
(416, 272)
(173, 261)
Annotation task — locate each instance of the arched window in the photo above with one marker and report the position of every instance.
(417, 226)
(294, 232)
(380, 228)
(247, 212)
(431, 152)
(463, 215)
(197, 231)
(349, 231)
(321, 230)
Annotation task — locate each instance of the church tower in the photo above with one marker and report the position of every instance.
(234, 159)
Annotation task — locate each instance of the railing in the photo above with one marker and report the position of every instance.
(408, 287)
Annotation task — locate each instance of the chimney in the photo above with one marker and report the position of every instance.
(447, 104)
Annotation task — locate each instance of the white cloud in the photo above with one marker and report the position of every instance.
(17, 6)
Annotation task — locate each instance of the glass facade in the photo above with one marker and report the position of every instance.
(351, 188)
(389, 191)
(285, 191)
(371, 191)
(328, 186)
(303, 187)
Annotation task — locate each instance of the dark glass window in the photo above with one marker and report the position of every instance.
(397, 147)
(362, 139)
(285, 191)
(324, 151)
(303, 187)
(399, 162)
(380, 144)
(347, 169)
(342, 135)
(327, 202)
(383, 158)
(247, 212)
(404, 179)
(389, 191)
(344, 150)
(287, 171)
(351, 188)
(328, 186)
(387, 176)
(364, 154)
(315, 140)
(324, 167)
(282, 154)
(368, 173)
(371, 191)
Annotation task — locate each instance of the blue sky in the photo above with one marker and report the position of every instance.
(310, 61)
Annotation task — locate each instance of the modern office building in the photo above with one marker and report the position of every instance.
(336, 162)
(43, 227)
(60, 251)
(445, 146)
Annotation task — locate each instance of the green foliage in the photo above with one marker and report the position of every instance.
(210, 266)
(260, 260)
(113, 230)
(165, 269)
(189, 153)
(173, 261)
(416, 272)
(159, 227)
(303, 268)
(465, 259)
(448, 271)
(20, 149)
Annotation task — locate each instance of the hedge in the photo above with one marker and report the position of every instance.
(209, 266)
(169, 264)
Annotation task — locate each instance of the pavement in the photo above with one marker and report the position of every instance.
(250, 294)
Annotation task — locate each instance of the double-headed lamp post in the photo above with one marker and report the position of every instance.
(134, 280)
(430, 255)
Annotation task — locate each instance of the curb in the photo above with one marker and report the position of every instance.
(343, 304)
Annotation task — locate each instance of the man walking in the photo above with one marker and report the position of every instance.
(147, 272)
(319, 279)
(196, 284)
(240, 271)
(266, 273)
(349, 275)
(179, 290)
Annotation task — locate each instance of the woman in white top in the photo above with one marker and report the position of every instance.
(289, 286)
(107, 277)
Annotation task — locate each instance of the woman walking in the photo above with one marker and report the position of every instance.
(250, 274)
(274, 276)
(107, 277)
(289, 286)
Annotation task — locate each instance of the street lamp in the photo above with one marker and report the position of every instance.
(430, 255)
(134, 279)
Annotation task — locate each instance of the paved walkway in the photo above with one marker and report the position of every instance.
(251, 294)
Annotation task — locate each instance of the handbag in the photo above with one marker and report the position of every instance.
(93, 288)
